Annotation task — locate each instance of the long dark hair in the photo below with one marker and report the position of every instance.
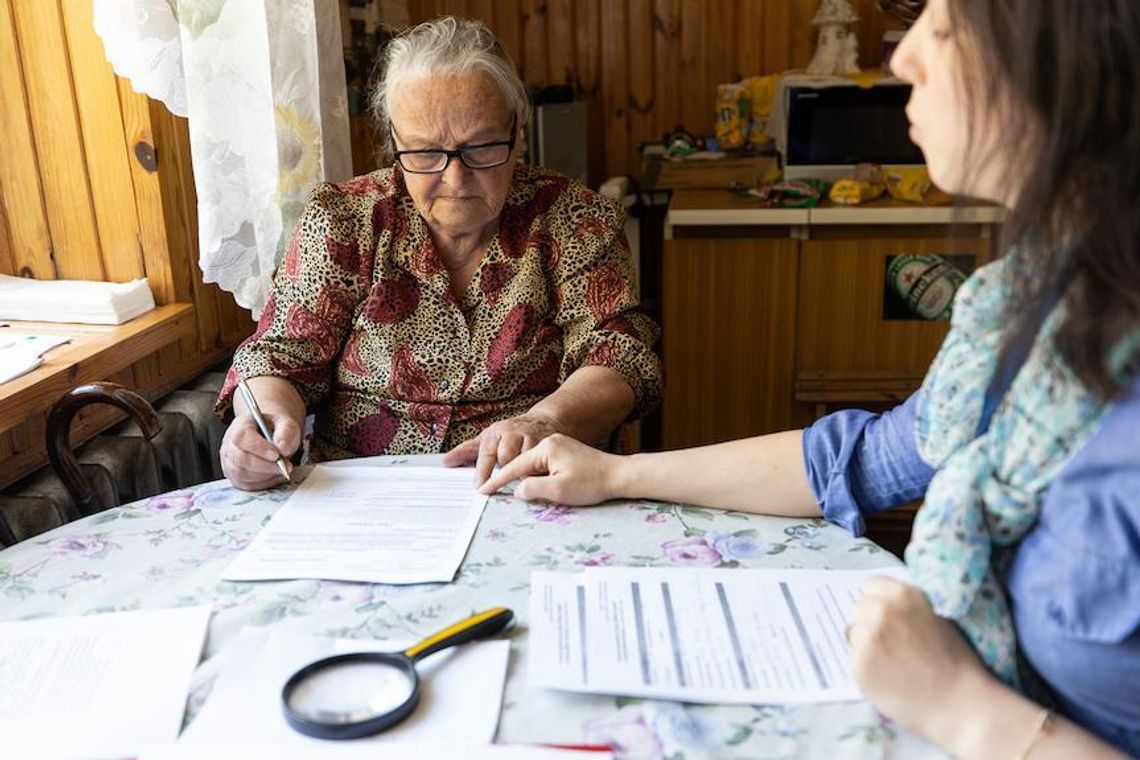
(1071, 69)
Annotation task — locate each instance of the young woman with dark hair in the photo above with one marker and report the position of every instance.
(1021, 637)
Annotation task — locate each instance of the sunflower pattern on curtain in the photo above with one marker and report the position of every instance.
(262, 84)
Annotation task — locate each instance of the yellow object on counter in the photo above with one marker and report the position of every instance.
(732, 114)
(913, 184)
(867, 78)
(851, 191)
(761, 93)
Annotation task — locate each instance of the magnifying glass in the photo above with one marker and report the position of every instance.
(348, 696)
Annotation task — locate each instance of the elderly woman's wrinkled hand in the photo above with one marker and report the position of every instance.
(500, 443)
(915, 666)
(250, 461)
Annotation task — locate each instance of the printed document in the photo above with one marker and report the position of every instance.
(461, 691)
(374, 524)
(740, 636)
(97, 686)
(356, 750)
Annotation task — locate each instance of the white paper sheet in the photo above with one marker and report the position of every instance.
(461, 691)
(376, 524)
(368, 751)
(20, 353)
(716, 636)
(97, 686)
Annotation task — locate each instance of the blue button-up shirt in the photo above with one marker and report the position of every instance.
(1074, 582)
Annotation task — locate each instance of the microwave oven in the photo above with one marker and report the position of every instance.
(823, 126)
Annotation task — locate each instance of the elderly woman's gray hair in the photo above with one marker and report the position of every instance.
(445, 46)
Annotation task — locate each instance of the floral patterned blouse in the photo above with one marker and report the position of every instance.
(362, 319)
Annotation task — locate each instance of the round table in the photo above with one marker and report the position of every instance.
(169, 550)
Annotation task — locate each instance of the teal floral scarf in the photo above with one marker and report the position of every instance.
(987, 491)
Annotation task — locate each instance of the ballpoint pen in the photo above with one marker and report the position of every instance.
(255, 411)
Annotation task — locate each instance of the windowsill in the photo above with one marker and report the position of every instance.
(95, 353)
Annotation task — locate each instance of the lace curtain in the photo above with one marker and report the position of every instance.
(262, 84)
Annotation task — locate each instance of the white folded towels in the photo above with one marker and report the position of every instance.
(95, 303)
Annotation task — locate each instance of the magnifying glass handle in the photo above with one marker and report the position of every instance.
(477, 626)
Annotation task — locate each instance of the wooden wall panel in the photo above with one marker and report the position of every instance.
(588, 79)
(482, 10)
(535, 43)
(507, 26)
(58, 139)
(101, 127)
(20, 188)
(646, 66)
(802, 35)
(560, 55)
(720, 43)
(750, 54)
(154, 238)
(615, 87)
(451, 7)
(642, 126)
(691, 67)
(774, 35)
(666, 62)
(7, 262)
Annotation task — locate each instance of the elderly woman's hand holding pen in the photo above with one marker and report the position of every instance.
(250, 460)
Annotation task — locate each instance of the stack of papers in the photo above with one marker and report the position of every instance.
(373, 524)
(714, 636)
(95, 303)
(98, 686)
(20, 353)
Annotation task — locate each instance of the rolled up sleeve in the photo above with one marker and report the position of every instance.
(860, 463)
(601, 320)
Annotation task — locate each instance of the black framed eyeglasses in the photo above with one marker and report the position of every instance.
(481, 156)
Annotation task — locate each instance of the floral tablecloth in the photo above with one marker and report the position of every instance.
(169, 550)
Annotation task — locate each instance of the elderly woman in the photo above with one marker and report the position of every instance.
(455, 302)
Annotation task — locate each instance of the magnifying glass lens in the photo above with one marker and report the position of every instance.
(350, 692)
(348, 696)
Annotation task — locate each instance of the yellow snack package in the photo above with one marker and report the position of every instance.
(851, 192)
(865, 184)
(732, 108)
(913, 184)
(761, 93)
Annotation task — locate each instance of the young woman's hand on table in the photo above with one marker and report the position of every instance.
(588, 406)
(560, 469)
